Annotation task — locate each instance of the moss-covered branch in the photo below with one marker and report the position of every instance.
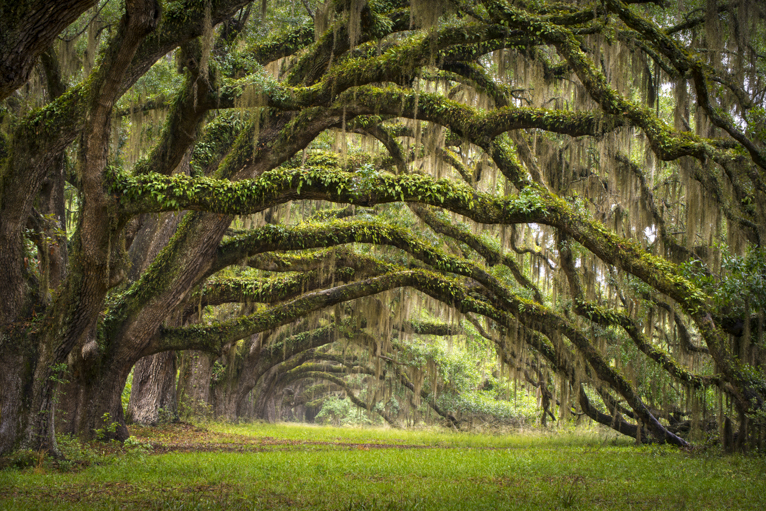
(491, 255)
(529, 313)
(430, 328)
(220, 334)
(611, 317)
(29, 28)
(220, 290)
(666, 143)
(157, 193)
(186, 115)
(282, 45)
(335, 41)
(340, 382)
(307, 261)
(685, 61)
(475, 125)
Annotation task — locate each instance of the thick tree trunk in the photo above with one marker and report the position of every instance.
(15, 377)
(68, 411)
(91, 403)
(193, 391)
(248, 376)
(230, 378)
(90, 406)
(101, 405)
(153, 236)
(615, 421)
(224, 402)
(271, 412)
(264, 391)
(153, 397)
(240, 370)
(75, 314)
(246, 408)
(28, 35)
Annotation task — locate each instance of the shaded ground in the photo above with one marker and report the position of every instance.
(184, 437)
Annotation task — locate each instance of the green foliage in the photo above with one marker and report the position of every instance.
(160, 82)
(744, 288)
(137, 446)
(197, 411)
(108, 429)
(165, 416)
(76, 454)
(21, 459)
(740, 290)
(336, 411)
(327, 87)
(125, 396)
(60, 374)
(757, 123)
(220, 133)
(487, 407)
(218, 372)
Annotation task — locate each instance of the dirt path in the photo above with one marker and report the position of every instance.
(182, 437)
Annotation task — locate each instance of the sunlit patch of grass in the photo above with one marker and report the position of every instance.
(422, 437)
(300, 467)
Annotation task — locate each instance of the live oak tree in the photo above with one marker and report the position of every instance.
(254, 377)
(582, 182)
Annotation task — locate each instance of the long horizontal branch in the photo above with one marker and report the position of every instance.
(466, 121)
(340, 382)
(222, 290)
(665, 142)
(34, 30)
(340, 256)
(151, 193)
(219, 334)
(602, 242)
(490, 254)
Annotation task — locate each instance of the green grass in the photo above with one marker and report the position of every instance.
(387, 436)
(301, 467)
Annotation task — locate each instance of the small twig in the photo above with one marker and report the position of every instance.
(387, 359)
(78, 34)
(308, 8)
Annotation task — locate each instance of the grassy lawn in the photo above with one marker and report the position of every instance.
(260, 466)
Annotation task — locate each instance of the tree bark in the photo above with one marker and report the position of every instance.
(264, 394)
(195, 369)
(29, 27)
(153, 396)
(15, 378)
(91, 403)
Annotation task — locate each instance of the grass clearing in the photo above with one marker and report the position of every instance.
(263, 466)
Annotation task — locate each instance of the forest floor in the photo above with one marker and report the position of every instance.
(263, 466)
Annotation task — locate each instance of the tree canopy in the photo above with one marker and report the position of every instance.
(579, 185)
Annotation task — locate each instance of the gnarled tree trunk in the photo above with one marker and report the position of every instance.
(15, 378)
(153, 396)
(193, 391)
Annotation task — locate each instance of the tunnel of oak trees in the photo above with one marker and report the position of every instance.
(289, 196)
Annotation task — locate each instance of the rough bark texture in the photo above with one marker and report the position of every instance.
(91, 403)
(193, 391)
(28, 28)
(153, 394)
(13, 400)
